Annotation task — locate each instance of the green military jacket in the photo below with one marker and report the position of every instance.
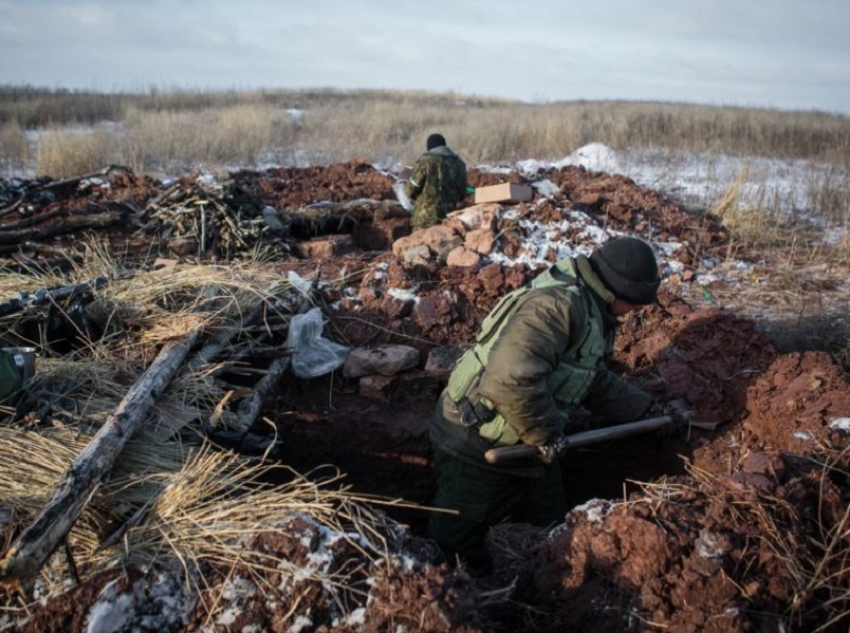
(538, 357)
(437, 186)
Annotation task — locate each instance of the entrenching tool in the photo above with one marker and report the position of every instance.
(524, 454)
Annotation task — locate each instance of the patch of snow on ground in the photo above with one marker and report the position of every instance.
(301, 623)
(841, 424)
(111, 613)
(404, 294)
(593, 157)
(154, 603)
(541, 239)
(595, 510)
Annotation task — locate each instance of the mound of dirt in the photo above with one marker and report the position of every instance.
(755, 551)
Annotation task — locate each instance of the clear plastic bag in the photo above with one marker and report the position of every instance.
(401, 196)
(314, 355)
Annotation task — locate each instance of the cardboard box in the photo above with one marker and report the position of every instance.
(506, 192)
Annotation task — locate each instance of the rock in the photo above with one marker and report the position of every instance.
(436, 238)
(376, 387)
(433, 311)
(481, 241)
(768, 464)
(416, 255)
(327, 246)
(396, 308)
(387, 360)
(183, 246)
(480, 216)
(442, 360)
(460, 256)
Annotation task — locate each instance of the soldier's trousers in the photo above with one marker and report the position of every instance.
(484, 498)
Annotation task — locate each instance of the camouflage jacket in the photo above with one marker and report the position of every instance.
(436, 186)
(545, 361)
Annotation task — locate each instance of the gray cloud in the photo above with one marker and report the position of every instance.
(783, 53)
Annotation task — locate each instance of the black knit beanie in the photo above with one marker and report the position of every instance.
(435, 140)
(627, 267)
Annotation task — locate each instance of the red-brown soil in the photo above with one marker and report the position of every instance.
(738, 529)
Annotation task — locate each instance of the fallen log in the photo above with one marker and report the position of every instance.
(77, 179)
(61, 183)
(31, 549)
(28, 298)
(34, 220)
(249, 407)
(74, 223)
(214, 347)
(336, 217)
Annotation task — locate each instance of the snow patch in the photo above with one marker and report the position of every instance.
(401, 294)
(593, 157)
(840, 424)
(111, 613)
(595, 510)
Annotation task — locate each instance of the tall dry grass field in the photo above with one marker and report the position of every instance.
(172, 131)
(236, 126)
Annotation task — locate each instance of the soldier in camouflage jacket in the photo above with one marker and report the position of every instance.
(437, 184)
(538, 356)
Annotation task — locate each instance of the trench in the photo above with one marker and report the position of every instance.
(382, 447)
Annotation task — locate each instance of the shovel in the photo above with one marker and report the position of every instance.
(524, 454)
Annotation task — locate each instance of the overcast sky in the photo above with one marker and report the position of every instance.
(790, 54)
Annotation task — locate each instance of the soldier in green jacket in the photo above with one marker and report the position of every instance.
(538, 356)
(437, 185)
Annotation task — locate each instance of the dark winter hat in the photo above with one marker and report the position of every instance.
(627, 267)
(435, 140)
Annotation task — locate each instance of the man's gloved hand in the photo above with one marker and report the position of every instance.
(677, 409)
(548, 453)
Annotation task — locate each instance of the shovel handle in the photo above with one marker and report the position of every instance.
(526, 453)
(516, 455)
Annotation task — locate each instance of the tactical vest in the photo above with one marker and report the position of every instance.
(571, 379)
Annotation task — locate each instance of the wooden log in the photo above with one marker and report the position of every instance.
(34, 220)
(249, 407)
(215, 346)
(31, 549)
(43, 296)
(61, 183)
(74, 223)
(337, 217)
(77, 179)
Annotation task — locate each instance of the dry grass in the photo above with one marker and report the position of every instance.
(238, 135)
(166, 499)
(64, 153)
(165, 128)
(14, 147)
(174, 131)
